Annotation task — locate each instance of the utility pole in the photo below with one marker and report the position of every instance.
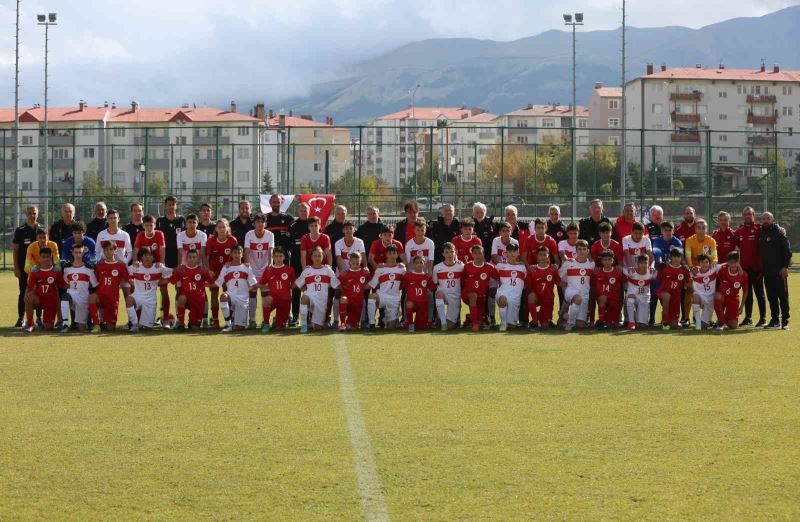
(623, 172)
(16, 112)
(46, 21)
(578, 21)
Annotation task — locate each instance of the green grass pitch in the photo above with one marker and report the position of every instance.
(580, 426)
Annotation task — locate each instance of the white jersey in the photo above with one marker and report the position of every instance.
(566, 250)
(342, 252)
(577, 275)
(145, 280)
(79, 281)
(258, 255)
(387, 280)
(499, 249)
(196, 242)
(414, 249)
(122, 241)
(639, 284)
(448, 277)
(512, 278)
(317, 281)
(631, 249)
(705, 283)
(237, 280)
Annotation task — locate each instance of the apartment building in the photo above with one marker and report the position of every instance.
(390, 141)
(539, 124)
(605, 115)
(743, 107)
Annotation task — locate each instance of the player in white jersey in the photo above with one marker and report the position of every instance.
(447, 275)
(386, 282)
(146, 276)
(513, 273)
(501, 243)
(316, 281)
(704, 284)
(258, 245)
(635, 245)
(192, 239)
(238, 280)
(567, 248)
(116, 235)
(78, 278)
(419, 245)
(576, 276)
(637, 300)
(346, 246)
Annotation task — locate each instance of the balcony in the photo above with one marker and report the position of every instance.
(210, 140)
(679, 117)
(153, 164)
(753, 158)
(762, 120)
(685, 158)
(489, 135)
(61, 186)
(761, 140)
(222, 163)
(8, 164)
(151, 141)
(685, 137)
(686, 96)
(62, 163)
(762, 98)
(208, 185)
(55, 141)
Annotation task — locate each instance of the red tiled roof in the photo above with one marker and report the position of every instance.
(484, 117)
(550, 110)
(199, 114)
(55, 114)
(427, 113)
(294, 121)
(693, 73)
(609, 92)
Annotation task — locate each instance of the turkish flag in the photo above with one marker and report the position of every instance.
(321, 205)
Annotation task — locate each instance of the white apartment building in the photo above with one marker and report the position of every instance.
(473, 139)
(540, 124)
(743, 107)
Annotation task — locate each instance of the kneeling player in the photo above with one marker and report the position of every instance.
(671, 281)
(575, 276)
(417, 284)
(447, 275)
(475, 282)
(353, 283)
(192, 279)
(147, 277)
(511, 274)
(315, 281)
(637, 298)
(110, 273)
(78, 278)
(278, 280)
(42, 292)
(704, 278)
(386, 281)
(730, 281)
(607, 289)
(542, 278)
(237, 279)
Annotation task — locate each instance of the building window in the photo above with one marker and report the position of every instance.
(723, 138)
(27, 185)
(180, 162)
(243, 153)
(118, 177)
(118, 154)
(243, 131)
(723, 94)
(522, 139)
(472, 130)
(613, 140)
(548, 123)
(119, 132)
(787, 90)
(787, 111)
(317, 133)
(27, 164)
(522, 123)
(657, 108)
(243, 176)
(723, 158)
(613, 123)
(88, 130)
(613, 104)
(581, 123)
(27, 140)
(723, 116)
(317, 167)
(88, 152)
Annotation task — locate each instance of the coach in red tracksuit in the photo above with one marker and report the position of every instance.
(750, 259)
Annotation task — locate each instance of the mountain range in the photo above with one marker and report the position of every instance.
(504, 76)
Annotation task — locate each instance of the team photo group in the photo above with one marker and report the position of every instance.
(415, 274)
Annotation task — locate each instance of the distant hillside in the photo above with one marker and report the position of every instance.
(503, 76)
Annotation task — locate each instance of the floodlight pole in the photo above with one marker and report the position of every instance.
(47, 21)
(578, 20)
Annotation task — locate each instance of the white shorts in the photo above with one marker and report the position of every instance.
(642, 307)
(453, 303)
(239, 307)
(319, 309)
(391, 305)
(707, 303)
(513, 296)
(80, 307)
(583, 310)
(147, 307)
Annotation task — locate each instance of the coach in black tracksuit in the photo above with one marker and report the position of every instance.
(776, 258)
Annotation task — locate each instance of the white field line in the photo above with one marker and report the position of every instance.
(373, 504)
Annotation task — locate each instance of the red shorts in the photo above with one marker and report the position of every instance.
(109, 303)
(613, 307)
(673, 314)
(49, 307)
(545, 304)
(196, 305)
(354, 307)
(282, 308)
(420, 309)
(731, 305)
(466, 293)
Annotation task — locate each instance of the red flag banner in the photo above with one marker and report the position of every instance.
(321, 205)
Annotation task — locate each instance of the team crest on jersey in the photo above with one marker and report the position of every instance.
(613, 280)
(560, 234)
(284, 276)
(549, 277)
(115, 272)
(236, 274)
(362, 279)
(513, 273)
(392, 277)
(706, 279)
(424, 284)
(737, 285)
(153, 246)
(705, 249)
(74, 277)
(483, 277)
(450, 275)
(317, 278)
(259, 246)
(680, 277)
(147, 277)
(50, 280)
(641, 282)
(197, 277)
(583, 271)
(227, 251)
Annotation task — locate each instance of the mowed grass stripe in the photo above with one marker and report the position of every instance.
(163, 426)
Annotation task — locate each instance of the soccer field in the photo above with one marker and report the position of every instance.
(646, 425)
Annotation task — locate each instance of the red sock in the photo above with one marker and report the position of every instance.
(474, 315)
(342, 312)
(165, 306)
(93, 313)
(481, 310)
(601, 312)
(720, 311)
(532, 311)
(29, 319)
(181, 314)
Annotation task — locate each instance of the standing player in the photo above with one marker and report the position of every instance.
(353, 284)
(237, 279)
(576, 278)
(420, 245)
(447, 275)
(258, 245)
(724, 236)
(377, 251)
(315, 239)
(171, 225)
(637, 300)
(149, 237)
(606, 244)
(147, 276)
(417, 283)
(542, 278)
(671, 278)
(110, 274)
(635, 245)
(42, 292)
(218, 250)
(117, 236)
(501, 243)
(346, 246)
(464, 243)
(386, 283)
(704, 276)
(731, 280)
(192, 279)
(78, 278)
(278, 279)
(698, 244)
(512, 274)
(567, 248)
(191, 239)
(475, 282)
(315, 281)
(662, 246)
(538, 239)
(607, 288)
(206, 225)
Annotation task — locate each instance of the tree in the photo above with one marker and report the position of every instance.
(267, 185)
(421, 180)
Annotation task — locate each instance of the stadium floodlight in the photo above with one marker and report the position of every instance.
(567, 18)
(579, 17)
(573, 138)
(51, 17)
(41, 18)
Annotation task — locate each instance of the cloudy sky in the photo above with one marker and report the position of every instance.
(169, 52)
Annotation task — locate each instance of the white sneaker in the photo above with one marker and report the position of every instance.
(503, 327)
(228, 328)
(134, 328)
(64, 327)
